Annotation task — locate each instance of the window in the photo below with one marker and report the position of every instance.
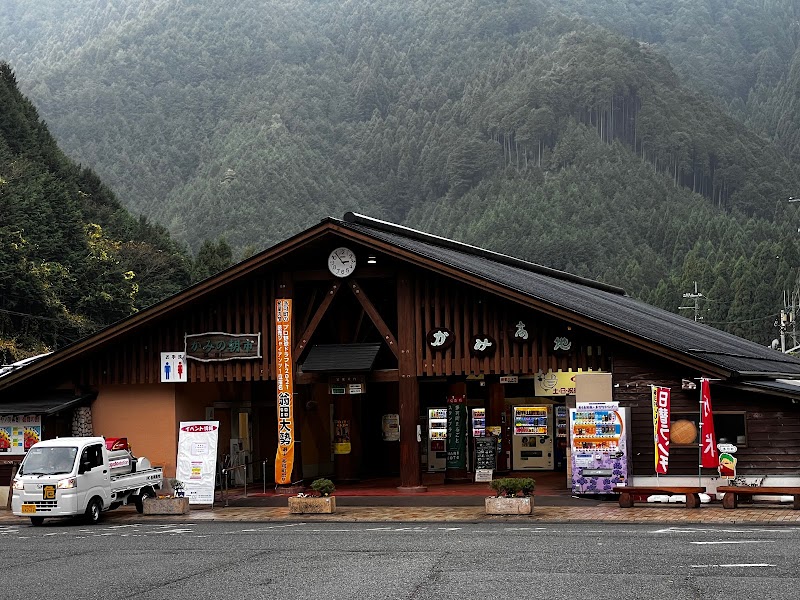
(92, 457)
(730, 428)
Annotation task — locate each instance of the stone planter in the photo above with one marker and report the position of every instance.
(312, 505)
(165, 506)
(509, 506)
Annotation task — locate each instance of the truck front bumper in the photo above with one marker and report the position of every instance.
(30, 504)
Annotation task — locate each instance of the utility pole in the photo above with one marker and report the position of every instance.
(696, 297)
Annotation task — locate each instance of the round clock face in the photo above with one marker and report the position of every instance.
(342, 262)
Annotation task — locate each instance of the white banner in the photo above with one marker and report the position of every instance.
(197, 459)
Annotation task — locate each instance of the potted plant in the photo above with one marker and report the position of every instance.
(167, 504)
(513, 496)
(320, 502)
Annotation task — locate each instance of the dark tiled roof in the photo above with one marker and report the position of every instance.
(48, 403)
(333, 358)
(599, 302)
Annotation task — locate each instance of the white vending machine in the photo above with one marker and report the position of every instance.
(437, 439)
(600, 445)
(532, 438)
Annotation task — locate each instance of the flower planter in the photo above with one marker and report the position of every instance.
(312, 505)
(522, 505)
(165, 506)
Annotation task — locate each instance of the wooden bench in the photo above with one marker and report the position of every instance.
(626, 494)
(732, 493)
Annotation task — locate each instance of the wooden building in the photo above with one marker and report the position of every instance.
(389, 324)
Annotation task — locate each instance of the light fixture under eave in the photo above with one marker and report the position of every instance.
(371, 260)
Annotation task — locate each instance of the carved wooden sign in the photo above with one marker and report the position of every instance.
(482, 345)
(519, 333)
(440, 338)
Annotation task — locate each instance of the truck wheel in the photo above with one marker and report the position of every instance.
(36, 521)
(139, 500)
(93, 511)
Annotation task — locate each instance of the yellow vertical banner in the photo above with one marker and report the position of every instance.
(284, 458)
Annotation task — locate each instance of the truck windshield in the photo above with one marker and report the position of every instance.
(48, 461)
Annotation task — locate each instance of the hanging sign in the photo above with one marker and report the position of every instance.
(456, 432)
(519, 333)
(196, 466)
(661, 402)
(284, 458)
(218, 345)
(557, 383)
(482, 345)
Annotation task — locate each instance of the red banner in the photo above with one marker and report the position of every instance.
(708, 439)
(284, 458)
(661, 401)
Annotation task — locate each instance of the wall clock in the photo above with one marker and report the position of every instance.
(342, 262)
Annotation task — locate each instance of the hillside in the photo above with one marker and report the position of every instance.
(72, 259)
(475, 119)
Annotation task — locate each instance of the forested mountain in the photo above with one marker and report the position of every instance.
(72, 259)
(518, 125)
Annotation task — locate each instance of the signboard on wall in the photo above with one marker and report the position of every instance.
(391, 427)
(19, 432)
(556, 383)
(284, 457)
(456, 432)
(197, 459)
(173, 367)
(218, 345)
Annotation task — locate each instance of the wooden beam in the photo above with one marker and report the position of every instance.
(302, 341)
(373, 314)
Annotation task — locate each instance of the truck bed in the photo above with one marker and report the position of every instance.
(131, 481)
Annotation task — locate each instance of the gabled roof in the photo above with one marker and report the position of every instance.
(594, 305)
(591, 300)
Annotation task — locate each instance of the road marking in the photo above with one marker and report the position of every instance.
(731, 566)
(737, 542)
(704, 530)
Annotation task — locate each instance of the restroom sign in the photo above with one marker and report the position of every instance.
(173, 367)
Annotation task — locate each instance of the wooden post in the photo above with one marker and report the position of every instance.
(410, 472)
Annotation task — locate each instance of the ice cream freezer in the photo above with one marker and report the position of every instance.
(599, 449)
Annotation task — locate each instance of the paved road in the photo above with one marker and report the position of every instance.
(398, 561)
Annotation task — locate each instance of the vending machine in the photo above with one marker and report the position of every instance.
(437, 439)
(478, 422)
(599, 448)
(532, 438)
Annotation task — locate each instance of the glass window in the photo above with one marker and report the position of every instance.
(730, 428)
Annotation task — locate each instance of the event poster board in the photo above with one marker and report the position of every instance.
(19, 432)
(197, 459)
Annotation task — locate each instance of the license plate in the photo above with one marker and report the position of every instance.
(28, 509)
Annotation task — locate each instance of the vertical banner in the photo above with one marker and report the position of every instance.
(197, 459)
(661, 401)
(284, 458)
(456, 432)
(708, 438)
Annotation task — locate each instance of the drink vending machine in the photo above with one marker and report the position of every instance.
(599, 448)
(532, 439)
(478, 422)
(437, 439)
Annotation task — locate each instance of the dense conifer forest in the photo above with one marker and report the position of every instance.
(651, 144)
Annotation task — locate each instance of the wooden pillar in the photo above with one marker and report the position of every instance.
(494, 417)
(458, 389)
(408, 386)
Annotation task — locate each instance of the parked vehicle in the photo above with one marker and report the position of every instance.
(81, 476)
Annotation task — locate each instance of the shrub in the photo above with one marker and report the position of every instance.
(324, 487)
(512, 486)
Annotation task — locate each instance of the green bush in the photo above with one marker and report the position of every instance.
(513, 486)
(324, 487)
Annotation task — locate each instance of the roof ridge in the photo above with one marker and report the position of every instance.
(359, 219)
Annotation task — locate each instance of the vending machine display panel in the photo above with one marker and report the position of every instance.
(599, 449)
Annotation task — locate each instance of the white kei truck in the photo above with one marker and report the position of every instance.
(75, 476)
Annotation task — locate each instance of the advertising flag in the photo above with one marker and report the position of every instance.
(708, 439)
(661, 401)
(284, 458)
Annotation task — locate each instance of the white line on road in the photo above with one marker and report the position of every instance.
(737, 542)
(731, 566)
